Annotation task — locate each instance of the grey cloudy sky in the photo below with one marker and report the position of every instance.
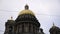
(46, 11)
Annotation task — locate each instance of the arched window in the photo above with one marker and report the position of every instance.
(31, 28)
(20, 28)
(10, 28)
(26, 29)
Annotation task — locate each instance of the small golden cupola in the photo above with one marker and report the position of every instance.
(26, 11)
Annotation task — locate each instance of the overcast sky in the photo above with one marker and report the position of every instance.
(46, 11)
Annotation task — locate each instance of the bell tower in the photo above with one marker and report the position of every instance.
(54, 30)
(9, 26)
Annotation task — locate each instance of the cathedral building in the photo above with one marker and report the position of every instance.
(26, 23)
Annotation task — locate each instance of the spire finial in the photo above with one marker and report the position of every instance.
(26, 7)
(11, 18)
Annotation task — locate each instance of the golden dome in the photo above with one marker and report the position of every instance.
(26, 11)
